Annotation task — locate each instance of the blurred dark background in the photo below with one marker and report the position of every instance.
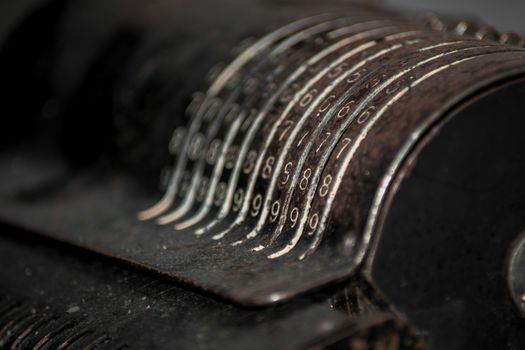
(503, 14)
(60, 63)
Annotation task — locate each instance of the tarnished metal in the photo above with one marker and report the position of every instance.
(443, 226)
(283, 154)
(515, 275)
(293, 162)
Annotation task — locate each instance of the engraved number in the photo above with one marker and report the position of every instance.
(230, 157)
(194, 150)
(345, 110)
(308, 98)
(345, 142)
(365, 115)
(306, 179)
(294, 215)
(288, 124)
(314, 221)
(213, 151)
(286, 174)
(276, 207)
(268, 166)
(249, 163)
(327, 181)
(326, 104)
(237, 199)
(256, 205)
(328, 134)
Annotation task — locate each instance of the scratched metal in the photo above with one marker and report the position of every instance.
(56, 297)
(276, 166)
(250, 87)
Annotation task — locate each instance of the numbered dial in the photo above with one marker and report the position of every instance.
(278, 158)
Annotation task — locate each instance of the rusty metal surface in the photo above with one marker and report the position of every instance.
(275, 168)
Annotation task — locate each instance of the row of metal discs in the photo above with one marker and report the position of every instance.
(472, 28)
(263, 161)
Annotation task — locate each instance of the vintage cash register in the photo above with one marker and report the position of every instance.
(259, 174)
